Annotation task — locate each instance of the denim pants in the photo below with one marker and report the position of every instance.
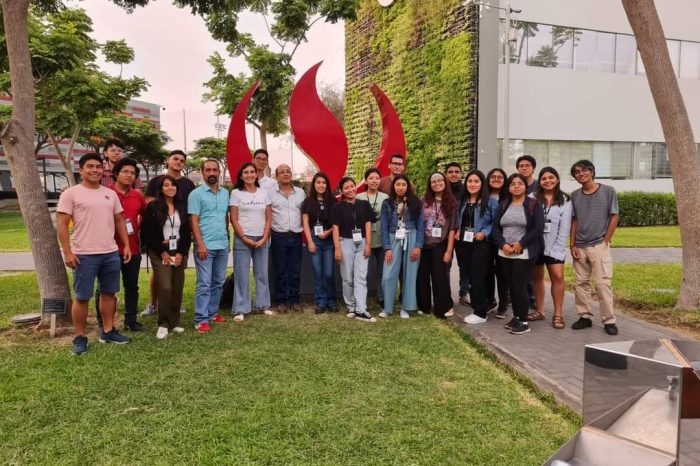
(353, 271)
(286, 258)
(324, 274)
(211, 274)
(130, 281)
(377, 255)
(402, 260)
(242, 255)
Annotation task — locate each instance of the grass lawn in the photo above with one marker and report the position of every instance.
(290, 389)
(647, 237)
(13, 234)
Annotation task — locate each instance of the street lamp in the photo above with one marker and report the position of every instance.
(506, 75)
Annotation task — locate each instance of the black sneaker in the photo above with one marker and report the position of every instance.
(582, 323)
(611, 329)
(512, 323)
(501, 313)
(319, 310)
(364, 317)
(114, 337)
(134, 327)
(519, 328)
(490, 307)
(80, 345)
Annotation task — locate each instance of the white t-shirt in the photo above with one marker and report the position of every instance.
(251, 209)
(267, 183)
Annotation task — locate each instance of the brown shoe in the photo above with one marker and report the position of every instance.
(297, 308)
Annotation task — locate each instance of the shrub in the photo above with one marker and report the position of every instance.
(647, 209)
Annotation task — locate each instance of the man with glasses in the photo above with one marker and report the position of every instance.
(260, 159)
(175, 164)
(526, 165)
(113, 152)
(595, 217)
(397, 166)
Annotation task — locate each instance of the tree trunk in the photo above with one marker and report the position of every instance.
(262, 129)
(67, 166)
(18, 141)
(678, 134)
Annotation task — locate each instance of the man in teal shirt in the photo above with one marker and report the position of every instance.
(208, 209)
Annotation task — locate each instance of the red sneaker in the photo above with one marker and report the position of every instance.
(204, 327)
(218, 319)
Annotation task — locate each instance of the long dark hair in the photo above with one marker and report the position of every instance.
(448, 204)
(411, 198)
(560, 197)
(311, 200)
(503, 191)
(344, 180)
(509, 197)
(482, 197)
(161, 207)
(240, 184)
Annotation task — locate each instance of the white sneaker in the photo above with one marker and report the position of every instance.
(148, 310)
(365, 317)
(404, 314)
(178, 330)
(450, 313)
(350, 315)
(238, 317)
(383, 315)
(269, 312)
(162, 333)
(183, 310)
(474, 319)
(421, 313)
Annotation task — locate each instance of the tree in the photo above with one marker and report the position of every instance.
(678, 134)
(209, 148)
(291, 21)
(333, 97)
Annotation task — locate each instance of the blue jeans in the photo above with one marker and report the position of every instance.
(402, 261)
(242, 255)
(286, 258)
(324, 274)
(103, 267)
(211, 274)
(353, 270)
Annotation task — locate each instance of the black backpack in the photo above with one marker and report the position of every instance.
(227, 294)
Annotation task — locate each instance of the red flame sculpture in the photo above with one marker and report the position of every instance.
(316, 131)
(237, 150)
(393, 140)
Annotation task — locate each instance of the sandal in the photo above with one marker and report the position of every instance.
(558, 322)
(535, 316)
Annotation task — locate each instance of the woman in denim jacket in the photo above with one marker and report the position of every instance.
(402, 241)
(474, 217)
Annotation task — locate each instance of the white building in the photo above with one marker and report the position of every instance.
(578, 89)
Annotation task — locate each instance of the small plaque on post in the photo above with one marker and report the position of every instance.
(55, 305)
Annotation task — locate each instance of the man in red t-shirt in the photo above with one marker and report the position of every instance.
(124, 172)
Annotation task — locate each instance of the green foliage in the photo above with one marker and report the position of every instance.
(208, 148)
(419, 53)
(644, 209)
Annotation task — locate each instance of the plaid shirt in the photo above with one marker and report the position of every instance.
(107, 180)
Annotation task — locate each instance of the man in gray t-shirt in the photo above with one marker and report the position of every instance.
(595, 216)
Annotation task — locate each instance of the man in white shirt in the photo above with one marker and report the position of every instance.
(286, 239)
(261, 161)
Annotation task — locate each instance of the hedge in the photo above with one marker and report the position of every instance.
(647, 209)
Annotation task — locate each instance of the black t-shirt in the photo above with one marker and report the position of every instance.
(350, 216)
(318, 210)
(184, 187)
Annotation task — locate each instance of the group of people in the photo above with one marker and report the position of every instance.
(504, 230)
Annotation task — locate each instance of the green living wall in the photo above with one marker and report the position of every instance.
(421, 53)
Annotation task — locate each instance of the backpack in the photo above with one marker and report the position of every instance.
(227, 293)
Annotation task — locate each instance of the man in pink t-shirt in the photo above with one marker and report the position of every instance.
(96, 214)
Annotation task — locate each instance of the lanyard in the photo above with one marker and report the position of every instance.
(376, 198)
(437, 207)
(171, 219)
(319, 207)
(471, 208)
(354, 213)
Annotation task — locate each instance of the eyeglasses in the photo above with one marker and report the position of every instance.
(579, 171)
(496, 177)
(517, 183)
(261, 159)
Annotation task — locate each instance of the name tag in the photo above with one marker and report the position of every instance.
(375, 227)
(318, 230)
(468, 236)
(400, 233)
(129, 227)
(172, 243)
(547, 226)
(436, 232)
(357, 235)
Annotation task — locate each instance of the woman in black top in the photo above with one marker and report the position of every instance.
(316, 220)
(352, 233)
(496, 180)
(166, 233)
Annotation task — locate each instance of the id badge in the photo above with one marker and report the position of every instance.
(357, 235)
(318, 229)
(374, 227)
(436, 232)
(172, 243)
(400, 233)
(129, 227)
(547, 226)
(469, 236)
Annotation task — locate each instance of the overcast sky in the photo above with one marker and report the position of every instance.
(171, 47)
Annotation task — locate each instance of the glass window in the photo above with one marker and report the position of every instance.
(625, 54)
(602, 159)
(594, 51)
(539, 48)
(563, 44)
(690, 60)
(522, 31)
(674, 51)
(621, 161)
(642, 161)
(659, 156)
(537, 149)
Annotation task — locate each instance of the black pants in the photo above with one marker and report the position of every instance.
(517, 272)
(494, 275)
(130, 281)
(475, 258)
(432, 268)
